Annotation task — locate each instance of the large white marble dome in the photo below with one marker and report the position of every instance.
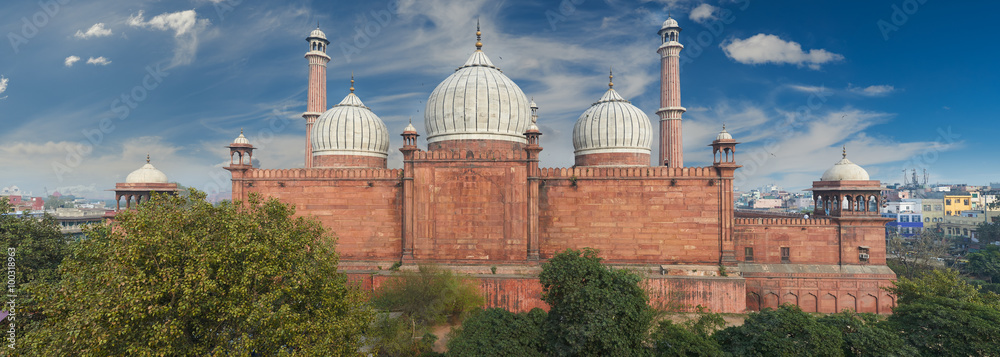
(350, 128)
(477, 102)
(612, 125)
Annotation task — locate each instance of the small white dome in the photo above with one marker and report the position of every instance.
(146, 174)
(409, 128)
(350, 128)
(317, 34)
(845, 170)
(670, 23)
(241, 139)
(477, 102)
(724, 135)
(612, 124)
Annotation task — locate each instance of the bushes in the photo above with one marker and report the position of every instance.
(498, 332)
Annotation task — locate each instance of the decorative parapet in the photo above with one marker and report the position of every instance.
(771, 222)
(491, 155)
(324, 174)
(619, 172)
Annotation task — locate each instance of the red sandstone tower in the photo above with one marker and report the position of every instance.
(316, 104)
(671, 149)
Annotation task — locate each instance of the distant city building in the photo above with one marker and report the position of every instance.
(954, 204)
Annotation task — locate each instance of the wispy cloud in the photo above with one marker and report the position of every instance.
(874, 90)
(808, 89)
(186, 27)
(98, 30)
(98, 61)
(71, 60)
(703, 13)
(3, 86)
(763, 48)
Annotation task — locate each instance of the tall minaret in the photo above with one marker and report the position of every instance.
(316, 104)
(671, 148)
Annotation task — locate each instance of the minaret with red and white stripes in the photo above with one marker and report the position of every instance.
(671, 147)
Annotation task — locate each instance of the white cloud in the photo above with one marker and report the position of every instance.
(703, 13)
(98, 30)
(762, 48)
(99, 61)
(808, 89)
(186, 27)
(3, 86)
(873, 91)
(71, 60)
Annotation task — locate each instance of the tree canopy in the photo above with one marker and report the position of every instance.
(786, 331)
(595, 310)
(179, 276)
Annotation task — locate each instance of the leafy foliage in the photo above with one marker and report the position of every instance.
(786, 331)
(916, 256)
(498, 332)
(38, 247)
(985, 263)
(428, 297)
(941, 314)
(864, 335)
(692, 338)
(595, 310)
(179, 276)
(988, 233)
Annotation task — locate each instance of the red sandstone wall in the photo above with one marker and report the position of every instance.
(362, 207)
(612, 159)
(633, 215)
(470, 210)
(519, 293)
(812, 241)
(347, 161)
(821, 294)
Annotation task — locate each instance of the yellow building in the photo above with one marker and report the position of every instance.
(954, 205)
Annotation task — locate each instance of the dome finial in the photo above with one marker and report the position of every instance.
(723, 126)
(147, 157)
(241, 131)
(411, 119)
(479, 37)
(611, 76)
(352, 81)
(845, 151)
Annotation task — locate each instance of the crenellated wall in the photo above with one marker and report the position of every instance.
(360, 206)
(655, 215)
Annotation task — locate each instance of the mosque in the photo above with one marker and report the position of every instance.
(476, 201)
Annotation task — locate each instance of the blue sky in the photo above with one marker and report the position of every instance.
(794, 81)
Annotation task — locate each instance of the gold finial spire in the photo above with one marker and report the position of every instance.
(411, 119)
(723, 126)
(845, 151)
(241, 131)
(611, 76)
(479, 37)
(147, 157)
(352, 81)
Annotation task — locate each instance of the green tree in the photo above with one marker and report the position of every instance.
(595, 310)
(498, 332)
(988, 233)
(915, 256)
(786, 331)
(691, 338)
(423, 299)
(37, 247)
(179, 276)
(941, 314)
(864, 335)
(985, 263)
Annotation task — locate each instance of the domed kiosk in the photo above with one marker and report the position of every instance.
(140, 185)
(846, 190)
